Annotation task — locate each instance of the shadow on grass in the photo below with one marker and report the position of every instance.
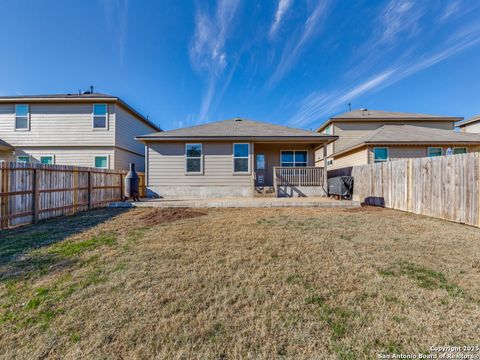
(16, 245)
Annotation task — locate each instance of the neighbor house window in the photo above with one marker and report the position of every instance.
(22, 117)
(193, 158)
(100, 116)
(46, 159)
(434, 151)
(23, 159)
(293, 158)
(380, 154)
(328, 130)
(241, 163)
(329, 162)
(101, 162)
(459, 150)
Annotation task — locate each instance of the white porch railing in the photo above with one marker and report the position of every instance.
(298, 176)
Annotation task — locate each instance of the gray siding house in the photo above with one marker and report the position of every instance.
(233, 158)
(89, 129)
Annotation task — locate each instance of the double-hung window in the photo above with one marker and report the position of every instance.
(101, 162)
(293, 158)
(22, 117)
(193, 159)
(100, 116)
(241, 158)
(459, 150)
(380, 154)
(434, 151)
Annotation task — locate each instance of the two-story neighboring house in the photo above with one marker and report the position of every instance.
(471, 125)
(89, 129)
(369, 136)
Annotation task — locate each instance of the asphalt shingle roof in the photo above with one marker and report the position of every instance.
(393, 115)
(235, 128)
(5, 145)
(468, 121)
(411, 134)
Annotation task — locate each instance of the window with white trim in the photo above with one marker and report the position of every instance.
(434, 151)
(23, 158)
(100, 116)
(329, 162)
(293, 158)
(241, 157)
(380, 154)
(47, 159)
(193, 158)
(101, 162)
(22, 117)
(459, 150)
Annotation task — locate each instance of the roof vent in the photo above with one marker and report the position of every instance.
(238, 119)
(364, 110)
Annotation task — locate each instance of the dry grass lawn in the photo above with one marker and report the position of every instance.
(238, 283)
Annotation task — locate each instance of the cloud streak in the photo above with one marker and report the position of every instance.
(116, 13)
(207, 50)
(291, 52)
(282, 8)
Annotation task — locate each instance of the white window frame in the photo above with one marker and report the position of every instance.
(193, 157)
(434, 147)
(294, 151)
(382, 160)
(460, 147)
(328, 130)
(329, 162)
(28, 118)
(24, 156)
(47, 155)
(95, 161)
(249, 171)
(93, 118)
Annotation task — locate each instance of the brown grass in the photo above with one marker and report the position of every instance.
(238, 283)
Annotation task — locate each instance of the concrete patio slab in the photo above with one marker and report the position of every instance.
(317, 202)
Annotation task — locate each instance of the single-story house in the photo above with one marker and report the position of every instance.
(233, 158)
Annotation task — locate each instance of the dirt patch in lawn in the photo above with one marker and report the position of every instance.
(161, 216)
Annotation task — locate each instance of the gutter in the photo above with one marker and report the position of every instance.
(311, 139)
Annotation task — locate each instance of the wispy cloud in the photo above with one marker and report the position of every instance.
(318, 106)
(311, 26)
(207, 50)
(116, 13)
(282, 8)
(399, 17)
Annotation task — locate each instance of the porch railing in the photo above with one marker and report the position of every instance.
(298, 176)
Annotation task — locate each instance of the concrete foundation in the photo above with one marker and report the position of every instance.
(300, 191)
(199, 192)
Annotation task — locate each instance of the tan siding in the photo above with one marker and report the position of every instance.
(56, 125)
(68, 156)
(123, 159)
(166, 165)
(352, 158)
(272, 156)
(349, 132)
(472, 128)
(127, 127)
(405, 152)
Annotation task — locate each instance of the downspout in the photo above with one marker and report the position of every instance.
(325, 172)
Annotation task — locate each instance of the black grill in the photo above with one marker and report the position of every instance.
(341, 186)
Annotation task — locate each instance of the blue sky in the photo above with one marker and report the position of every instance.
(289, 62)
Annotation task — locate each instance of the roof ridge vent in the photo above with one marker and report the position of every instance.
(237, 119)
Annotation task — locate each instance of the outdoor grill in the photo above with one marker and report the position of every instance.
(341, 186)
(132, 182)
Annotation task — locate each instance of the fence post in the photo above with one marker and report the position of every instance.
(121, 186)
(90, 190)
(35, 194)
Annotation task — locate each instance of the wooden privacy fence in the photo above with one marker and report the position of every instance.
(298, 176)
(446, 187)
(30, 192)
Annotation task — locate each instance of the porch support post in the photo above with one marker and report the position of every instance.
(325, 175)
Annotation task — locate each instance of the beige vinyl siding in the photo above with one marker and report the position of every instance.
(56, 125)
(128, 126)
(166, 165)
(352, 158)
(471, 128)
(123, 159)
(272, 156)
(349, 132)
(410, 152)
(69, 156)
(6, 156)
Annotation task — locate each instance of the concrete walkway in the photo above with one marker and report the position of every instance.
(318, 202)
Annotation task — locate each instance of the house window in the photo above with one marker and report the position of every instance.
(23, 159)
(329, 162)
(46, 159)
(328, 130)
(434, 151)
(22, 117)
(100, 116)
(459, 150)
(101, 162)
(241, 163)
(380, 154)
(193, 158)
(293, 158)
